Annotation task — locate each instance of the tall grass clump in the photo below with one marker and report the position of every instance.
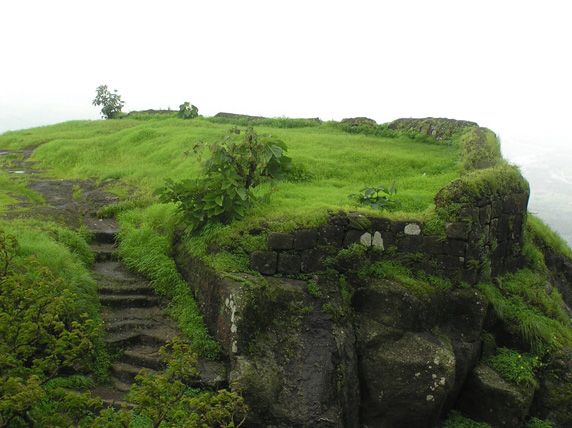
(144, 245)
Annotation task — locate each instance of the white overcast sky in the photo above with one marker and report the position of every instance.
(505, 64)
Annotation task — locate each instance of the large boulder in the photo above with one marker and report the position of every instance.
(406, 381)
(489, 398)
(295, 364)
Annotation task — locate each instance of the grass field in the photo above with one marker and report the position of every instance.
(142, 154)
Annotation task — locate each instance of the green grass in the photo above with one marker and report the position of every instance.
(515, 367)
(457, 420)
(145, 244)
(544, 236)
(529, 311)
(145, 153)
(13, 190)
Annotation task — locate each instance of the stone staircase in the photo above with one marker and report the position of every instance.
(135, 324)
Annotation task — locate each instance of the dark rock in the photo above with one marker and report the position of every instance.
(305, 239)
(487, 397)
(280, 241)
(312, 260)
(359, 121)
(410, 243)
(339, 219)
(496, 208)
(455, 247)
(433, 245)
(493, 231)
(459, 230)
(406, 381)
(380, 224)
(352, 237)
(553, 399)
(289, 263)
(264, 262)
(469, 213)
(359, 222)
(485, 214)
(331, 235)
(388, 239)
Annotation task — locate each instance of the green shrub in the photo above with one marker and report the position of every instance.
(188, 111)
(515, 367)
(538, 423)
(457, 420)
(110, 101)
(44, 336)
(377, 197)
(233, 169)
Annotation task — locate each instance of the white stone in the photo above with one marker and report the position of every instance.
(377, 241)
(412, 229)
(365, 239)
(430, 398)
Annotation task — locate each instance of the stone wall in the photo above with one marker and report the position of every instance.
(484, 240)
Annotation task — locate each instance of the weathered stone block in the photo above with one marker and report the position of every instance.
(358, 221)
(457, 230)
(289, 263)
(487, 397)
(455, 247)
(496, 208)
(388, 239)
(469, 213)
(366, 239)
(433, 245)
(494, 228)
(331, 235)
(280, 241)
(485, 214)
(312, 260)
(305, 239)
(412, 229)
(398, 226)
(377, 241)
(352, 237)
(516, 203)
(264, 262)
(381, 224)
(410, 244)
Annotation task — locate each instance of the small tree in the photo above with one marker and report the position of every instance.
(110, 101)
(188, 111)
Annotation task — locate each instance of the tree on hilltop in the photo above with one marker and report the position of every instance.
(110, 101)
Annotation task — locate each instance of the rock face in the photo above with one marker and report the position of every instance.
(489, 398)
(296, 366)
(408, 372)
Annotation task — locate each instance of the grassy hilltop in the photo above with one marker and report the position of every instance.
(133, 157)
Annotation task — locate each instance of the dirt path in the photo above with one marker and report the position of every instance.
(134, 316)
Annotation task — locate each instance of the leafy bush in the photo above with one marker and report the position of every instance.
(538, 423)
(164, 399)
(110, 101)
(377, 197)
(188, 111)
(42, 338)
(232, 171)
(515, 367)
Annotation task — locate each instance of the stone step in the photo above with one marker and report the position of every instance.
(104, 252)
(126, 372)
(151, 337)
(153, 313)
(120, 386)
(143, 356)
(115, 290)
(114, 271)
(126, 325)
(128, 300)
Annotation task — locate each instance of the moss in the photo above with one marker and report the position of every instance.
(457, 420)
(481, 149)
(538, 423)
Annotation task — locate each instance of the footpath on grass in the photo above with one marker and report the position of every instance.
(134, 316)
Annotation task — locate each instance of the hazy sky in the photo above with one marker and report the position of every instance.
(505, 64)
